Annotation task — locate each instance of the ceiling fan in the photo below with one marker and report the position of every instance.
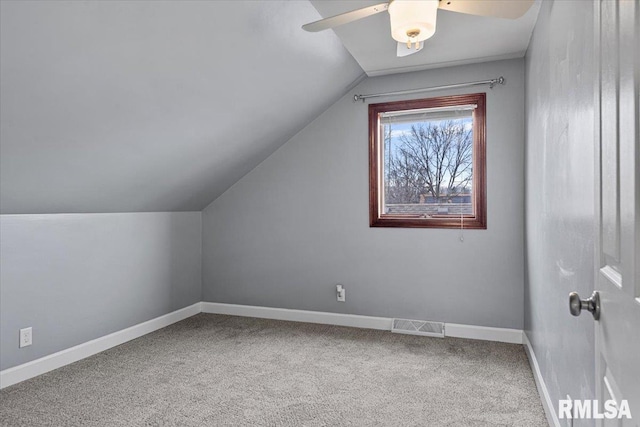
(414, 21)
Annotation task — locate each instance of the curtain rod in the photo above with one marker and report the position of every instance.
(499, 81)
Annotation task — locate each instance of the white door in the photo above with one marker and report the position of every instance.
(618, 246)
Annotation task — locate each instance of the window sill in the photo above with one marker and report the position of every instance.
(469, 223)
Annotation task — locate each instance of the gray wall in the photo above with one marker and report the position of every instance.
(560, 195)
(77, 277)
(291, 229)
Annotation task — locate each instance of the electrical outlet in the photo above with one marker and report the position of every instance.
(26, 336)
(341, 293)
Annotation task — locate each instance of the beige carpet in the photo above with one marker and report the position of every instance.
(213, 370)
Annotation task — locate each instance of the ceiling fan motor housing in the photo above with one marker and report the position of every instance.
(413, 21)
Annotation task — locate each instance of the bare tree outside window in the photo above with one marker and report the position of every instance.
(431, 162)
(427, 162)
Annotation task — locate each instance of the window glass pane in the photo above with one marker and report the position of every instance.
(427, 162)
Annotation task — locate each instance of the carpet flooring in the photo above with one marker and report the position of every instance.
(214, 370)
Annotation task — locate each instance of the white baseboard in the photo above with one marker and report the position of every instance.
(357, 321)
(547, 404)
(65, 357)
(486, 333)
(325, 318)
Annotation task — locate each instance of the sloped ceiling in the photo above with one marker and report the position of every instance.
(127, 106)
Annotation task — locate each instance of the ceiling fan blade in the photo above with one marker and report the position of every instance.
(403, 50)
(345, 18)
(510, 9)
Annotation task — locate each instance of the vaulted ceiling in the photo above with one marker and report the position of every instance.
(127, 106)
(153, 106)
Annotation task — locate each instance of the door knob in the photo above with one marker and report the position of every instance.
(592, 304)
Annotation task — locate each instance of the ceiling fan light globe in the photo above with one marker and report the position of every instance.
(411, 16)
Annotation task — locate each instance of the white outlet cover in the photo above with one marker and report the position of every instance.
(26, 337)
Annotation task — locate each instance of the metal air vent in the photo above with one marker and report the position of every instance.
(418, 327)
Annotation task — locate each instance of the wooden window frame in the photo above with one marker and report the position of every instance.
(476, 221)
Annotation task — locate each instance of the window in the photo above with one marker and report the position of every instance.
(427, 163)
